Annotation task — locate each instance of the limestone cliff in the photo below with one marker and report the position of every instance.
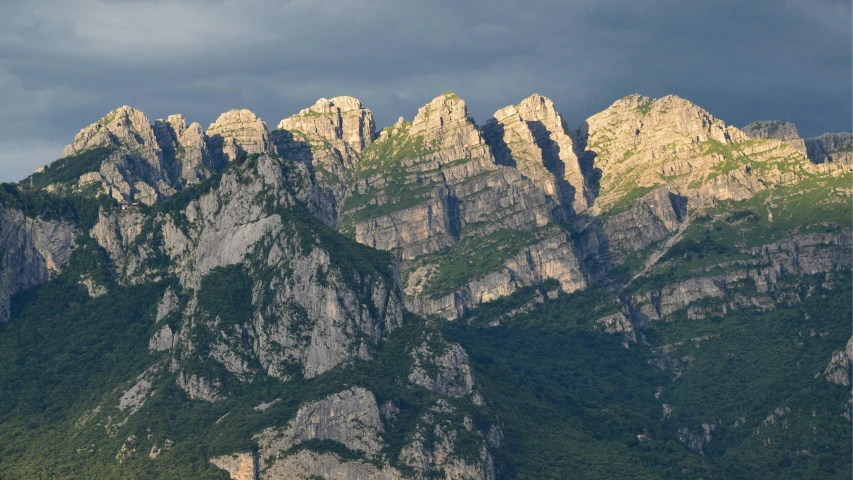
(429, 188)
(784, 131)
(769, 267)
(32, 250)
(839, 368)
(352, 418)
(831, 147)
(236, 132)
(533, 137)
(307, 312)
(188, 146)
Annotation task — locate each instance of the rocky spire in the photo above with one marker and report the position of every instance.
(532, 137)
(341, 119)
(125, 128)
(444, 123)
(239, 131)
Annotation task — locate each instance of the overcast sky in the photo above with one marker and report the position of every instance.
(65, 64)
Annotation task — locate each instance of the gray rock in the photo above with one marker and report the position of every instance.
(32, 250)
(238, 131)
(442, 367)
(839, 368)
(350, 417)
(831, 147)
(784, 131)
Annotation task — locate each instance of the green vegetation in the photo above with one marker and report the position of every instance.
(474, 257)
(80, 209)
(70, 168)
(646, 107)
(398, 189)
(226, 292)
(627, 200)
(573, 401)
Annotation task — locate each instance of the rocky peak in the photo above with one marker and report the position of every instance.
(541, 109)
(239, 131)
(778, 130)
(341, 119)
(444, 123)
(532, 137)
(168, 131)
(124, 127)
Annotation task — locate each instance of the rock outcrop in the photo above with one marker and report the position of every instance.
(784, 131)
(831, 147)
(350, 417)
(306, 314)
(240, 466)
(533, 137)
(187, 146)
(32, 250)
(433, 446)
(431, 185)
(443, 368)
(770, 265)
(124, 128)
(132, 168)
(236, 132)
(840, 367)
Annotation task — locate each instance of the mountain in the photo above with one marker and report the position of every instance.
(651, 294)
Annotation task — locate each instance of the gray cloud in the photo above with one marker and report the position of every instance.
(64, 64)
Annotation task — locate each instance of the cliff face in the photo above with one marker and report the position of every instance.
(831, 147)
(32, 250)
(784, 131)
(236, 132)
(306, 314)
(533, 137)
(676, 215)
(431, 189)
(187, 145)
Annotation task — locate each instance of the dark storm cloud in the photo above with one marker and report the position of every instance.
(64, 64)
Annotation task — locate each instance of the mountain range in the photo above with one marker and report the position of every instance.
(651, 294)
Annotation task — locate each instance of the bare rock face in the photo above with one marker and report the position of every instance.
(433, 447)
(784, 131)
(442, 367)
(187, 145)
(134, 168)
(618, 323)
(163, 340)
(839, 368)
(805, 254)
(341, 120)
(329, 137)
(115, 231)
(125, 128)
(651, 218)
(240, 466)
(32, 250)
(831, 147)
(350, 417)
(307, 314)
(309, 464)
(533, 137)
(548, 255)
(432, 185)
(238, 131)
